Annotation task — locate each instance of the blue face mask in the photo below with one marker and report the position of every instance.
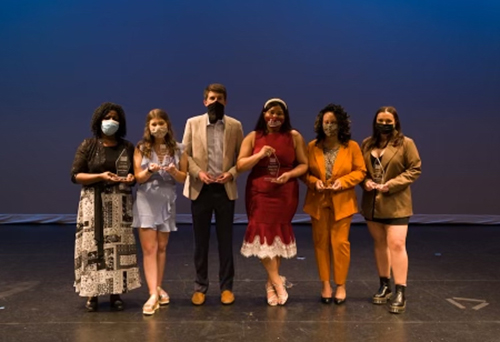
(109, 127)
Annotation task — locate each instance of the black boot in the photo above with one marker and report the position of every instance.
(115, 302)
(398, 304)
(384, 292)
(92, 304)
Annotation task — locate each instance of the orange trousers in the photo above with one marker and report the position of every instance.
(331, 241)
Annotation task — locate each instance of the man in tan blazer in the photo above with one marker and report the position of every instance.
(213, 143)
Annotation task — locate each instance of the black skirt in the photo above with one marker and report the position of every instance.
(399, 221)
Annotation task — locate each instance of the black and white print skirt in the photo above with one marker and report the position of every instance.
(116, 272)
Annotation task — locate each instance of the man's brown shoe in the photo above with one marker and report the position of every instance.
(227, 297)
(198, 298)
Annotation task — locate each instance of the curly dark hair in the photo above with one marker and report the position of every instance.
(397, 135)
(146, 144)
(101, 112)
(261, 125)
(343, 122)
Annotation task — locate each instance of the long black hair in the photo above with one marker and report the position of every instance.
(261, 125)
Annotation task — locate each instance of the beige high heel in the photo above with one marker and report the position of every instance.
(272, 300)
(164, 298)
(150, 307)
(286, 282)
(282, 298)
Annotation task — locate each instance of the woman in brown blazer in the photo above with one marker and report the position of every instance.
(336, 166)
(393, 163)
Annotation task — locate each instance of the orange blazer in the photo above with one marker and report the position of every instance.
(349, 167)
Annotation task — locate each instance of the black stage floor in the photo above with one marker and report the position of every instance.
(453, 293)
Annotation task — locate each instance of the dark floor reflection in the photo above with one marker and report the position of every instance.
(38, 302)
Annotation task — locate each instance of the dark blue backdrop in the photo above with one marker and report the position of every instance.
(437, 62)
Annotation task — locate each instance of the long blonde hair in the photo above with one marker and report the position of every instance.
(146, 144)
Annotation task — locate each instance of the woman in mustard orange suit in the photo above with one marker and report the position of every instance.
(336, 166)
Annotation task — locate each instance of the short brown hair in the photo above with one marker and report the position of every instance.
(216, 88)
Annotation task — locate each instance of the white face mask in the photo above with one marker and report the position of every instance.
(274, 123)
(159, 132)
(330, 129)
(109, 127)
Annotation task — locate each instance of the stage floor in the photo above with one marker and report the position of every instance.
(453, 293)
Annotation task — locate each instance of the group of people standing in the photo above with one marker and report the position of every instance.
(212, 154)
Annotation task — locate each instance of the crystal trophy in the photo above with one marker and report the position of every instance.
(123, 165)
(273, 168)
(162, 154)
(329, 185)
(163, 158)
(378, 172)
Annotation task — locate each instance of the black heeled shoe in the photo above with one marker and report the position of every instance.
(116, 302)
(326, 300)
(398, 304)
(339, 301)
(384, 292)
(92, 304)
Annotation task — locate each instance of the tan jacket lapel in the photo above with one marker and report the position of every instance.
(227, 145)
(203, 133)
(389, 153)
(368, 162)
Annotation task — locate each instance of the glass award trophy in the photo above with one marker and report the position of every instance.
(122, 165)
(329, 184)
(163, 158)
(273, 168)
(378, 172)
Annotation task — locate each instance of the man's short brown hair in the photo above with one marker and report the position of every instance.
(216, 88)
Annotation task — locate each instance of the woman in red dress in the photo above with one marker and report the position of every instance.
(276, 153)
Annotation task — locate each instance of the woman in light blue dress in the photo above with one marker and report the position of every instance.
(159, 163)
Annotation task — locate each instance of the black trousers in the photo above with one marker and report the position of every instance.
(213, 199)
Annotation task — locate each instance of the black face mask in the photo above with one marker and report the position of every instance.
(384, 128)
(215, 111)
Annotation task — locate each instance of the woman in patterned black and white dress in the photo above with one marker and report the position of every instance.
(105, 247)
